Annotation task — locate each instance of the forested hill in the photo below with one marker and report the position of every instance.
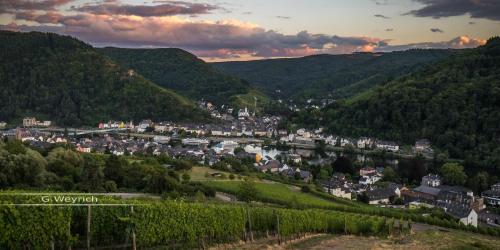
(181, 71)
(455, 103)
(334, 75)
(60, 78)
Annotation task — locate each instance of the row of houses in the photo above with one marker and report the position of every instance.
(276, 167)
(33, 122)
(457, 201)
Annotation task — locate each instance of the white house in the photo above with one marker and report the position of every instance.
(369, 179)
(387, 145)
(364, 142)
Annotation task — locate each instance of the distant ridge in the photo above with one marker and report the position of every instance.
(330, 76)
(181, 71)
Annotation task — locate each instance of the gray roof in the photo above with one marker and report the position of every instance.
(428, 190)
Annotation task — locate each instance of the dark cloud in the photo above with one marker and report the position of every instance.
(381, 16)
(168, 8)
(11, 6)
(472, 23)
(48, 17)
(283, 17)
(489, 9)
(437, 30)
(381, 2)
(247, 13)
(389, 29)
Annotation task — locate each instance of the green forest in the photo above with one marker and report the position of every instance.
(454, 103)
(64, 80)
(181, 71)
(334, 76)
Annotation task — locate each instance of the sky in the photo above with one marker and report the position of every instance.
(224, 30)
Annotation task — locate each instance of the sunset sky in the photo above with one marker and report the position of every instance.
(255, 29)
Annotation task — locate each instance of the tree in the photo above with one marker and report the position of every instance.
(247, 191)
(92, 175)
(15, 147)
(479, 182)
(239, 150)
(110, 186)
(186, 177)
(114, 169)
(390, 174)
(453, 174)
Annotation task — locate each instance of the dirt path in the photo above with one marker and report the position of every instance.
(423, 237)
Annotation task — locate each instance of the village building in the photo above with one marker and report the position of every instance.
(422, 145)
(387, 145)
(492, 196)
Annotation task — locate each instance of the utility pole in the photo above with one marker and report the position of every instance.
(89, 219)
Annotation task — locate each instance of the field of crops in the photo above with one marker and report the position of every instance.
(173, 224)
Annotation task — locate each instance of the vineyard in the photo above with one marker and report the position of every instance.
(280, 194)
(174, 224)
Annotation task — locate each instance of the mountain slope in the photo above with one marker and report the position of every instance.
(60, 78)
(330, 75)
(455, 104)
(179, 70)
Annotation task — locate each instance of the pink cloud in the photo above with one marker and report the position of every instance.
(227, 39)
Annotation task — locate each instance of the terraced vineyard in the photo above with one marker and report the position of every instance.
(173, 224)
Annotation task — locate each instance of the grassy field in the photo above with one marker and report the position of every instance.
(269, 191)
(204, 174)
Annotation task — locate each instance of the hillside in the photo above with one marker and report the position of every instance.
(181, 71)
(454, 103)
(60, 78)
(329, 75)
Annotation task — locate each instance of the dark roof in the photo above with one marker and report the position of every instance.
(304, 174)
(456, 189)
(455, 210)
(491, 193)
(417, 195)
(382, 193)
(434, 191)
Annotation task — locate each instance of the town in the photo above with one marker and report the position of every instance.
(273, 151)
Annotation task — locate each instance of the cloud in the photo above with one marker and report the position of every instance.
(437, 30)
(389, 29)
(168, 8)
(381, 16)
(11, 6)
(488, 9)
(461, 42)
(227, 37)
(283, 17)
(219, 40)
(472, 23)
(383, 2)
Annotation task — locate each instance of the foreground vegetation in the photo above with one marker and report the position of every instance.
(174, 224)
